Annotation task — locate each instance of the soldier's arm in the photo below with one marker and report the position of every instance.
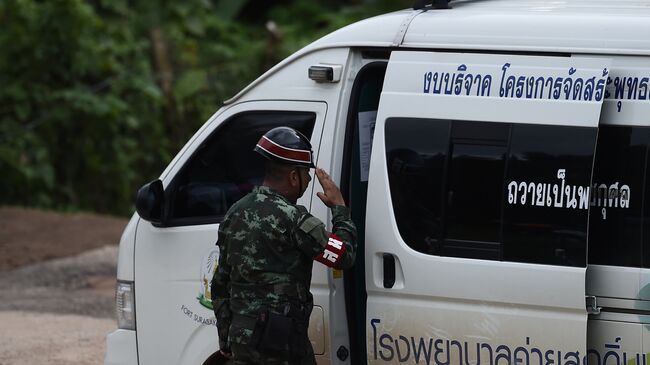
(336, 249)
(220, 291)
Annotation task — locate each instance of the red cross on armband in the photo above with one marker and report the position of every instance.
(333, 252)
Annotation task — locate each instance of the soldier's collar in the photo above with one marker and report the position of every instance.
(268, 191)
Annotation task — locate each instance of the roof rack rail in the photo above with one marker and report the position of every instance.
(433, 4)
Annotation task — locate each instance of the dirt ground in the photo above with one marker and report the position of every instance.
(29, 236)
(57, 283)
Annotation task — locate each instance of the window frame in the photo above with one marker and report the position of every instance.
(215, 125)
(483, 249)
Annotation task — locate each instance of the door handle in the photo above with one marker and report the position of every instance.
(389, 270)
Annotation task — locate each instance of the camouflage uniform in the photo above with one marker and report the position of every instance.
(267, 249)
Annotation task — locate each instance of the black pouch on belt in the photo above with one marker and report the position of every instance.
(276, 336)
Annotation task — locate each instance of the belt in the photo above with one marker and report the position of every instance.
(289, 290)
(243, 321)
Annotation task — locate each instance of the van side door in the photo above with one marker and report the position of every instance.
(477, 215)
(618, 276)
(174, 262)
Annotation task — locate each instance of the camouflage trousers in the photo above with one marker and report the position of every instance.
(247, 355)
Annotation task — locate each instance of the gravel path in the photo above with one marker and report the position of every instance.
(28, 338)
(59, 311)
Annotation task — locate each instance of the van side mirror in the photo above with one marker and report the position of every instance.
(150, 201)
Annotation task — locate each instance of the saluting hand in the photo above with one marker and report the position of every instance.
(331, 194)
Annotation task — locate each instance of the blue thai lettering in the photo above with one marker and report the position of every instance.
(469, 78)
(486, 85)
(612, 352)
(548, 358)
(600, 86)
(406, 356)
(557, 88)
(572, 358)
(460, 350)
(439, 350)
(373, 324)
(437, 86)
(530, 87)
(478, 355)
(539, 88)
(643, 88)
(590, 88)
(489, 349)
(619, 87)
(458, 83)
(519, 359)
(503, 353)
(449, 83)
(478, 82)
(549, 86)
(422, 350)
(519, 88)
(537, 351)
(568, 84)
(608, 95)
(384, 342)
(632, 86)
(577, 88)
(502, 90)
(427, 82)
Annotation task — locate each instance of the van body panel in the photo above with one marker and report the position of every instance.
(292, 82)
(439, 301)
(608, 27)
(627, 98)
(377, 32)
(121, 348)
(125, 264)
(613, 281)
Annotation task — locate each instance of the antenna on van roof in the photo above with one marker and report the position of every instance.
(435, 4)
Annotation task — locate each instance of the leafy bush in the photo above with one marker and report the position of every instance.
(97, 96)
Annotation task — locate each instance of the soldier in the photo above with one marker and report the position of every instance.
(268, 245)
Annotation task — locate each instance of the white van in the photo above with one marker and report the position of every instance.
(503, 212)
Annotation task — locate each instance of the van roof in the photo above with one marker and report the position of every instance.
(576, 26)
(616, 27)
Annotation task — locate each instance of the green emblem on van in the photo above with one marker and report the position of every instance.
(208, 267)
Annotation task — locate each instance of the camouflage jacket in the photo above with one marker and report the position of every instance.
(267, 249)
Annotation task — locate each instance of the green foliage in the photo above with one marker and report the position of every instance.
(97, 96)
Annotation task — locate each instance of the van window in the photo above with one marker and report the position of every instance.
(224, 167)
(449, 184)
(476, 166)
(553, 166)
(616, 218)
(416, 152)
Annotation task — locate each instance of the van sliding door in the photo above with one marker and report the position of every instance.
(618, 276)
(478, 202)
